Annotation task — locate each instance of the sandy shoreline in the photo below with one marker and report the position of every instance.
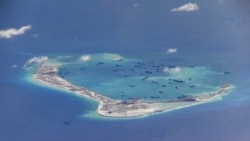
(47, 75)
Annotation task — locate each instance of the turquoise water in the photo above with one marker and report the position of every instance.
(119, 77)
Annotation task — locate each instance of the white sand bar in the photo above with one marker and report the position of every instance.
(47, 74)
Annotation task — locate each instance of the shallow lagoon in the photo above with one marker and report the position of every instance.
(124, 78)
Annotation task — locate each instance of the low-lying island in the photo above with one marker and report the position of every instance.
(47, 74)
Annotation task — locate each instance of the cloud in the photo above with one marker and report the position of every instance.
(109, 56)
(14, 66)
(136, 5)
(8, 33)
(189, 7)
(85, 58)
(35, 35)
(172, 70)
(172, 50)
(117, 58)
(35, 61)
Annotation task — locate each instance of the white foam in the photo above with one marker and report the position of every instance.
(35, 61)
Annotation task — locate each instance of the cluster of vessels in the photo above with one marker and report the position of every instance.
(49, 74)
(146, 71)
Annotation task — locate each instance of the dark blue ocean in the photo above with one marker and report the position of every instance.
(214, 39)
